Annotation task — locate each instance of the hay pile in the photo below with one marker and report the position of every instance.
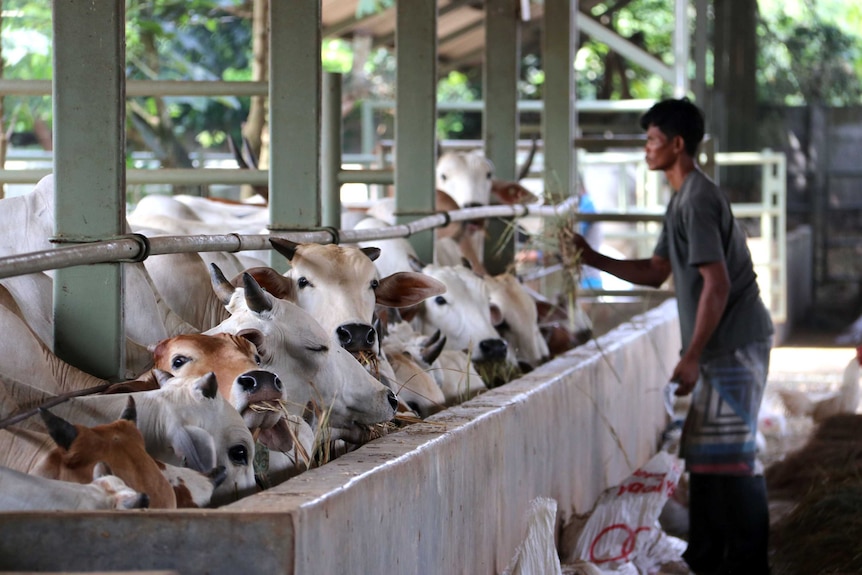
(823, 533)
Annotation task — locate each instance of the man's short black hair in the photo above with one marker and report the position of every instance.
(677, 118)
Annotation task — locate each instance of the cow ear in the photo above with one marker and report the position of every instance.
(162, 377)
(371, 252)
(101, 469)
(207, 385)
(403, 289)
(61, 431)
(270, 280)
(130, 413)
(496, 315)
(286, 248)
(195, 446)
(256, 338)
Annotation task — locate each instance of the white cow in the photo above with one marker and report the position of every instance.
(27, 225)
(313, 368)
(185, 422)
(519, 325)
(464, 314)
(22, 492)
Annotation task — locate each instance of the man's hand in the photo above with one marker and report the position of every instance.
(686, 374)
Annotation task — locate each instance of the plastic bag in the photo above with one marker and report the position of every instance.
(623, 528)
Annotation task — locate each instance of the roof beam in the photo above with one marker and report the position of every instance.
(389, 39)
(588, 25)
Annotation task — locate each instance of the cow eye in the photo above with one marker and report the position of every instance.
(488, 175)
(303, 282)
(374, 284)
(440, 300)
(179, 361)
(257, 359)
(238, 455)
(443, 177)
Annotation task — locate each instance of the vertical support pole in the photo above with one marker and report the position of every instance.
(330, 150)
(89, 179)
(700, 43)
(500, 121)
(416, 116)
(294, 117)
(559, 121)
(680, 49)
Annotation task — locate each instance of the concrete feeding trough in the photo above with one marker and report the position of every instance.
(448, 495)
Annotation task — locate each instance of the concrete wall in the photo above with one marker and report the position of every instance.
(445, 496)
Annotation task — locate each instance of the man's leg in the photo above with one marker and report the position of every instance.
(748, 525)
(707, 521)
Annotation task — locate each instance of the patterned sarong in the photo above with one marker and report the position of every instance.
(719, 432)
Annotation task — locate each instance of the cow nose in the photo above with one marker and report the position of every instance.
(393, 399)
(252, 381)
(493, 348)
(356, 337)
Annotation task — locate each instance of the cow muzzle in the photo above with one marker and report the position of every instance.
(356, 337)
(493, 349)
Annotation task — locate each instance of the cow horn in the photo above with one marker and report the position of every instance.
(130, 413)
(433, 347)
(61, 431)
(222, 288)
(286, 248)
(372, 253)
(255, 298)
(525, 169)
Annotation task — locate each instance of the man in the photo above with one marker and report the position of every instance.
(726, 340)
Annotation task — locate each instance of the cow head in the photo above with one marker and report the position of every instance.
(312, 369)
(464, 314)
(118, 444)
(257, 394)
(518, 324)
(340, 286)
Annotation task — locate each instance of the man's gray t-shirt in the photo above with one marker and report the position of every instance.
(699, 228)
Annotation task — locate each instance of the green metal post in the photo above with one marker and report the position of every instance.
(331, 150)
(294, 117)
(500, 121)
(559, 119)
(89, 179)
(416, 116)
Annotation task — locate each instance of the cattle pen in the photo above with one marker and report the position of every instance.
(449, 494)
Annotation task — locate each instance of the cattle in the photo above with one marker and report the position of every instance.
(519, 324)
(186, 422)
(464, 314)
(340, 286)
(119, 444)
(258, 395)
(411, 356)
(148, 318)
(314, 370)
(22, 492)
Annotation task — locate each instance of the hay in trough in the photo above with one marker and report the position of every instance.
(823, 534)
(497, 373)
(832, 456)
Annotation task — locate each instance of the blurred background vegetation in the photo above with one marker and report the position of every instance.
(809, 51)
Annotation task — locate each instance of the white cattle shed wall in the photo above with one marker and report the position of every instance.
(446, 496)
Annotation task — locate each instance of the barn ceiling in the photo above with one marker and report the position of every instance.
(460, 29)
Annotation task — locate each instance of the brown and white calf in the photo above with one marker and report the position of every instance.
(23, 492)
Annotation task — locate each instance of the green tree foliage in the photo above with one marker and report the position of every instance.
(809, 61)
